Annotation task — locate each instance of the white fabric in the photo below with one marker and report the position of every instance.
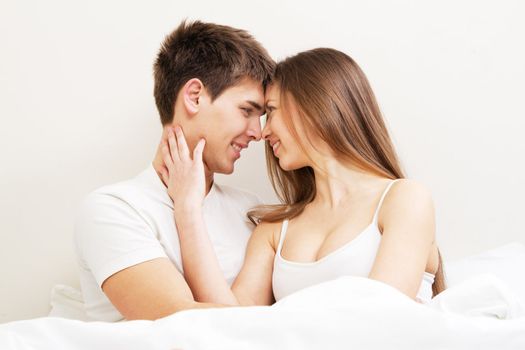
(482, 295)
(355, 258)
(131, 222)
(506, 262)
(347, 313)
(67, 302)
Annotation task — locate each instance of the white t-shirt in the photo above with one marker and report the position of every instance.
(131, 222)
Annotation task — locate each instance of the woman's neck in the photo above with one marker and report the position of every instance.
(336, 182)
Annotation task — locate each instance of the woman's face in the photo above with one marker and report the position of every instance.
(285, 147)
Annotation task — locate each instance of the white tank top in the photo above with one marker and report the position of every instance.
(354, 258)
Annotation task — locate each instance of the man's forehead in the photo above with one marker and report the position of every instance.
(250, 86)
(247, 91)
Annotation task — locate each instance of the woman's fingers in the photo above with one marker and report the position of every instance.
(197, 152)
(166, 155)
(165, 175)
(174, 151)
(184, 152)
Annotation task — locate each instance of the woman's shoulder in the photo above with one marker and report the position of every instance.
(409, 188)
(408, 213)
(407, 197)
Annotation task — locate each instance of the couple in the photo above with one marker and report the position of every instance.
(171, 239)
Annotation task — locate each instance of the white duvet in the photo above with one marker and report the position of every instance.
(348, 313)
(478, 311)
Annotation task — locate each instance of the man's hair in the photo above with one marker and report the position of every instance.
(218, 55)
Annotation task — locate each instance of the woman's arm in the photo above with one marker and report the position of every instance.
(186, 186)
(253, 285)
(408, 230)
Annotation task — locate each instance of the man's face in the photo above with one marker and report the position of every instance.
(229, 124)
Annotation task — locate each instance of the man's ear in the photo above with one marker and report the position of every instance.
(192, 92)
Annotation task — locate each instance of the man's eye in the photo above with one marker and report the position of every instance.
(246, 111)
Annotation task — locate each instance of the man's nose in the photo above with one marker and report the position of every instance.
(254, 129)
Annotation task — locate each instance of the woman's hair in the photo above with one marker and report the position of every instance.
(334, 100)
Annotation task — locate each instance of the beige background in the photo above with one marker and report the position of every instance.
(77, 111)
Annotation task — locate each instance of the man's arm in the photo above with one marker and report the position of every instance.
(150, 290)
(127, 260)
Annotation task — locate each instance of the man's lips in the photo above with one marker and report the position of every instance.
(238, 146)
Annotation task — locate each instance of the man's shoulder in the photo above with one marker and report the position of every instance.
(120, 193)
(140, 194)
(140, 187)
(121, 188)
(128, 208)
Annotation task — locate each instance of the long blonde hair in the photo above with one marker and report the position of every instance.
(334, 99)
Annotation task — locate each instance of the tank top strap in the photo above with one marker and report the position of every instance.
(284, 228)
(376, 214)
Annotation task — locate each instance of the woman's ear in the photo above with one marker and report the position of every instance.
(192, 92)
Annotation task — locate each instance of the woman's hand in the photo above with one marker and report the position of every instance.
(186, 181)
(184, 176)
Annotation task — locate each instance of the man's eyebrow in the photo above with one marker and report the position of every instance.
(255, 105)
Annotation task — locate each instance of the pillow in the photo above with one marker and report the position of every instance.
(67, 302)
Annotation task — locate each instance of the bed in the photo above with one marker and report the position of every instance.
(483, 308)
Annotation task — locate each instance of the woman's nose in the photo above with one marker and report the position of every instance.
(266, 132)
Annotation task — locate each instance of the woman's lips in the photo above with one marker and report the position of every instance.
(275, 147)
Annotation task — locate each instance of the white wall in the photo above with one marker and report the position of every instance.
(77, 111)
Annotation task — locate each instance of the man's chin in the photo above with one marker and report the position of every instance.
(225, 169)
(229, 170)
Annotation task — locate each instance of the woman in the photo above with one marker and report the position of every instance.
(347, 210)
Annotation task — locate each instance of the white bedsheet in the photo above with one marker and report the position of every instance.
(348, 313)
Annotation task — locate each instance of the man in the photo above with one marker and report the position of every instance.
(210, 80)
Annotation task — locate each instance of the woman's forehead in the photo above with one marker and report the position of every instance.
(272, 93)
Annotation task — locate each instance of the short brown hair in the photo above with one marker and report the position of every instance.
(218, 55)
